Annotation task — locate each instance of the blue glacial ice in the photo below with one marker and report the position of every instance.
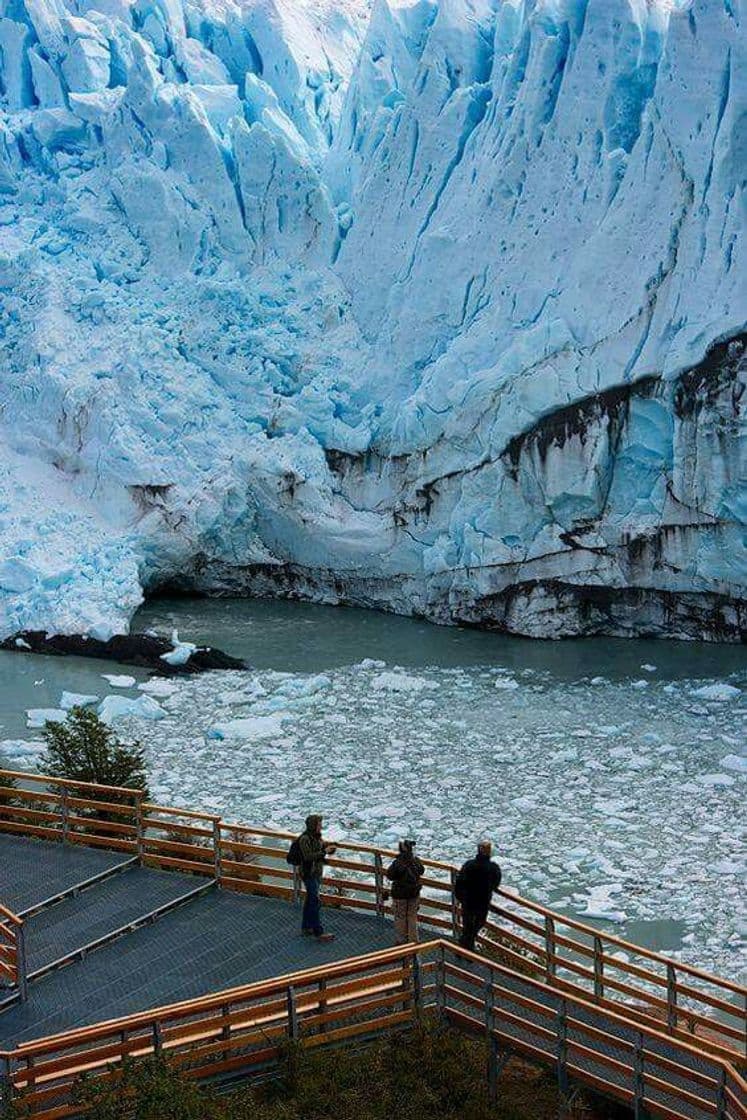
(434, 306)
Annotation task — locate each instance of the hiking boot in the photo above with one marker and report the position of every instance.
(325, 937)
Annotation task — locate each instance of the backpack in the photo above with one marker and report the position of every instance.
(294, 855)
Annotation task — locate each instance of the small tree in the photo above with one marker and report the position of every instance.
(85, 749)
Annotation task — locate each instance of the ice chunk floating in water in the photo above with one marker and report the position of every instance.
(438, 307)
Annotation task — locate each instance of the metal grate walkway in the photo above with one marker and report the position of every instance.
(218, 940)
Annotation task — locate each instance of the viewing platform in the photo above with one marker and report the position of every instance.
(131, 928)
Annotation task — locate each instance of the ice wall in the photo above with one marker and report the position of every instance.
(438, 307)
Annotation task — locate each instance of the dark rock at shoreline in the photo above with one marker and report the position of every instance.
(144, 650)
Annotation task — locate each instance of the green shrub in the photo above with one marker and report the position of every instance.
(144, 1090)
(85, 749)
(429, 1073)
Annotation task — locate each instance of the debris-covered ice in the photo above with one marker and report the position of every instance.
(609, 799)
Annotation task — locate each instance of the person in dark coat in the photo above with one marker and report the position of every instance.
(474, 887)
(405, 873)
(314, 852)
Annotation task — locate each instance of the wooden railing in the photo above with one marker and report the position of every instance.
(682, 1000)
(242, 1031)
(12, 955)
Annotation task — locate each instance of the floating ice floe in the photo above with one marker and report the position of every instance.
(158, 687)
(77, 700)
(26, 750)
(119, 680)
(120, 707)
(737, 762)
(715, 780)
(719, 691)
(398, 681)
(253, 727)
(600, 905)
(37, 717)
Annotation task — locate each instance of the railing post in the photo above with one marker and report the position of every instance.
(322, 1002)
(561, 1031)
(671, 997)
(292, 1014)
(139, 828)
(721, 1095)
(157, 1041)
(21, 978)
(65, 814)
(379, 882)
(454, 906)
(417, 985)
(217, 850)
(225, 1032)
(6, 1085)
(441, 983)
(598, 968)
(638, 1082)
(550, 958)
(492, 1041)
(296, 885)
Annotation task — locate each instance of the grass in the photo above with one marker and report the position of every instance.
(430, 1073)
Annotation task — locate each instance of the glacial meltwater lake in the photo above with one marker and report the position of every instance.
(610, 774)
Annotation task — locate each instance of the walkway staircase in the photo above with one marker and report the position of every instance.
(111, 907)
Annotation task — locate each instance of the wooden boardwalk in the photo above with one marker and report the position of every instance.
(218, 940)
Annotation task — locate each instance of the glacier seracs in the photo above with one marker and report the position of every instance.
(434, 306)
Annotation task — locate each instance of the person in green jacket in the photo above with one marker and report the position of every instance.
(314, 852)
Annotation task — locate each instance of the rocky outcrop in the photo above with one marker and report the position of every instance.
(144, 650)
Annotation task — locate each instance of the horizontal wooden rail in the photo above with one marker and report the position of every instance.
(564, 952)
(68, 783)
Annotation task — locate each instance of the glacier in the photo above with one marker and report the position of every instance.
(434, 306)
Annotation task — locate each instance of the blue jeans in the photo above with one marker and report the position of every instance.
(312, 919)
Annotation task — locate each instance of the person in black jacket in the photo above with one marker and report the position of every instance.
(474, 887)
(405, 873)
